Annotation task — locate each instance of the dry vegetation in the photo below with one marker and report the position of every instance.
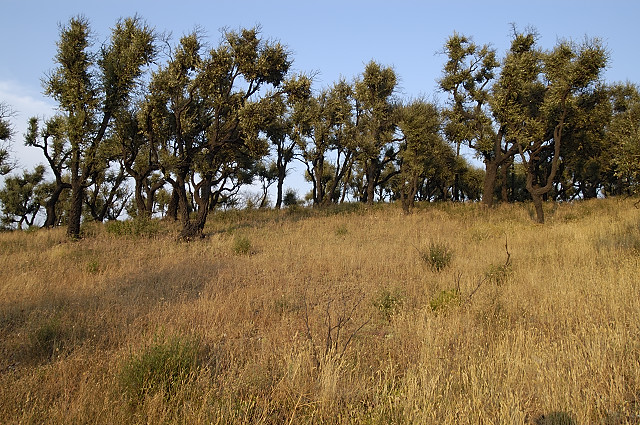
(332, 317)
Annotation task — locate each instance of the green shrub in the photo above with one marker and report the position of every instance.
(389, 303)
(341, 230)
(498, 273)
(242, 245)
(444, 299)
(139, 226)
(162, 367)
(438, 256)
(47, 339)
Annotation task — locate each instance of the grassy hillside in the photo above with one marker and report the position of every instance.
(451, 315)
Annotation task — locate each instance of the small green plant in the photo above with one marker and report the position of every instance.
(341, 230)
(47, 340)
(93, 267)
(498, 273)
(438, 256)
(444, 299)
(162, 367)
(389, 303)
(242, 245)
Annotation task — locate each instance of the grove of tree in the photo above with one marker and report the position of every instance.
(154, 128)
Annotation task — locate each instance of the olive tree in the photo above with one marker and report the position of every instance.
(90, 88)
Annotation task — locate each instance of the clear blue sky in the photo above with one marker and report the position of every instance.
(330, 38)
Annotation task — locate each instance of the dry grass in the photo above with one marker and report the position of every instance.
(328, 318)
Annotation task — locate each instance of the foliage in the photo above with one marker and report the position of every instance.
(389, 303)
(242, 245)
(136, 227)
(444, 300)
(437, 256)
(6, 133)
(22, 197)
(163, 367)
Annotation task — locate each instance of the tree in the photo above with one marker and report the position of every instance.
(90, 89)
(214, 108)
(375, 123)
(279, 127)
(21, 198)
(468, 76)
(624, 131)
(420, 125)
(586, 153)
(6, 133)
(324, 129)
(546, 84)
(134, 135)
(55, 148)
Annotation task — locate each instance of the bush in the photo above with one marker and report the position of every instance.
(162, 367)
(341, 230)
(290, 198)
(444, 299)
(47, 340)
(389, 303)
(438, 256)
(498, 273)
(139, 226)
(242, 245)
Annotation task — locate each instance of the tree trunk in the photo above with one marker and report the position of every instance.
(504, 190)
(75, 212)
(537, 203)
(202, 194)
(282, 171)
(172, 208)
(371, 182)
(141, 204)
(77, 195)
(52, 202)
(489, 184)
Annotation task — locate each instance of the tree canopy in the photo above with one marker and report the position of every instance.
(154, 128)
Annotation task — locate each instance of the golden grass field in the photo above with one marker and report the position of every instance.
(336, 317)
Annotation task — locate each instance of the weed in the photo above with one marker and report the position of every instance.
(498, 273)
(93, 267)
(444, 299)
(341, 230)
(242, 245)
(389, 303)
(47, 340)
(438, 256)
(162, 367)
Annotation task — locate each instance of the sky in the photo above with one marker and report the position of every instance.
(329, 39)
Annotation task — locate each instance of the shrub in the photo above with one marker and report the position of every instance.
(444, 299)
(162, 367)
(140, 226)
(341, 230)
(47, 340)
(242, 245)
(498, 273)
(389, 303)
(438, 256)
(290, 198)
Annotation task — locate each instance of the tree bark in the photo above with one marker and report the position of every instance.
(489, 183)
